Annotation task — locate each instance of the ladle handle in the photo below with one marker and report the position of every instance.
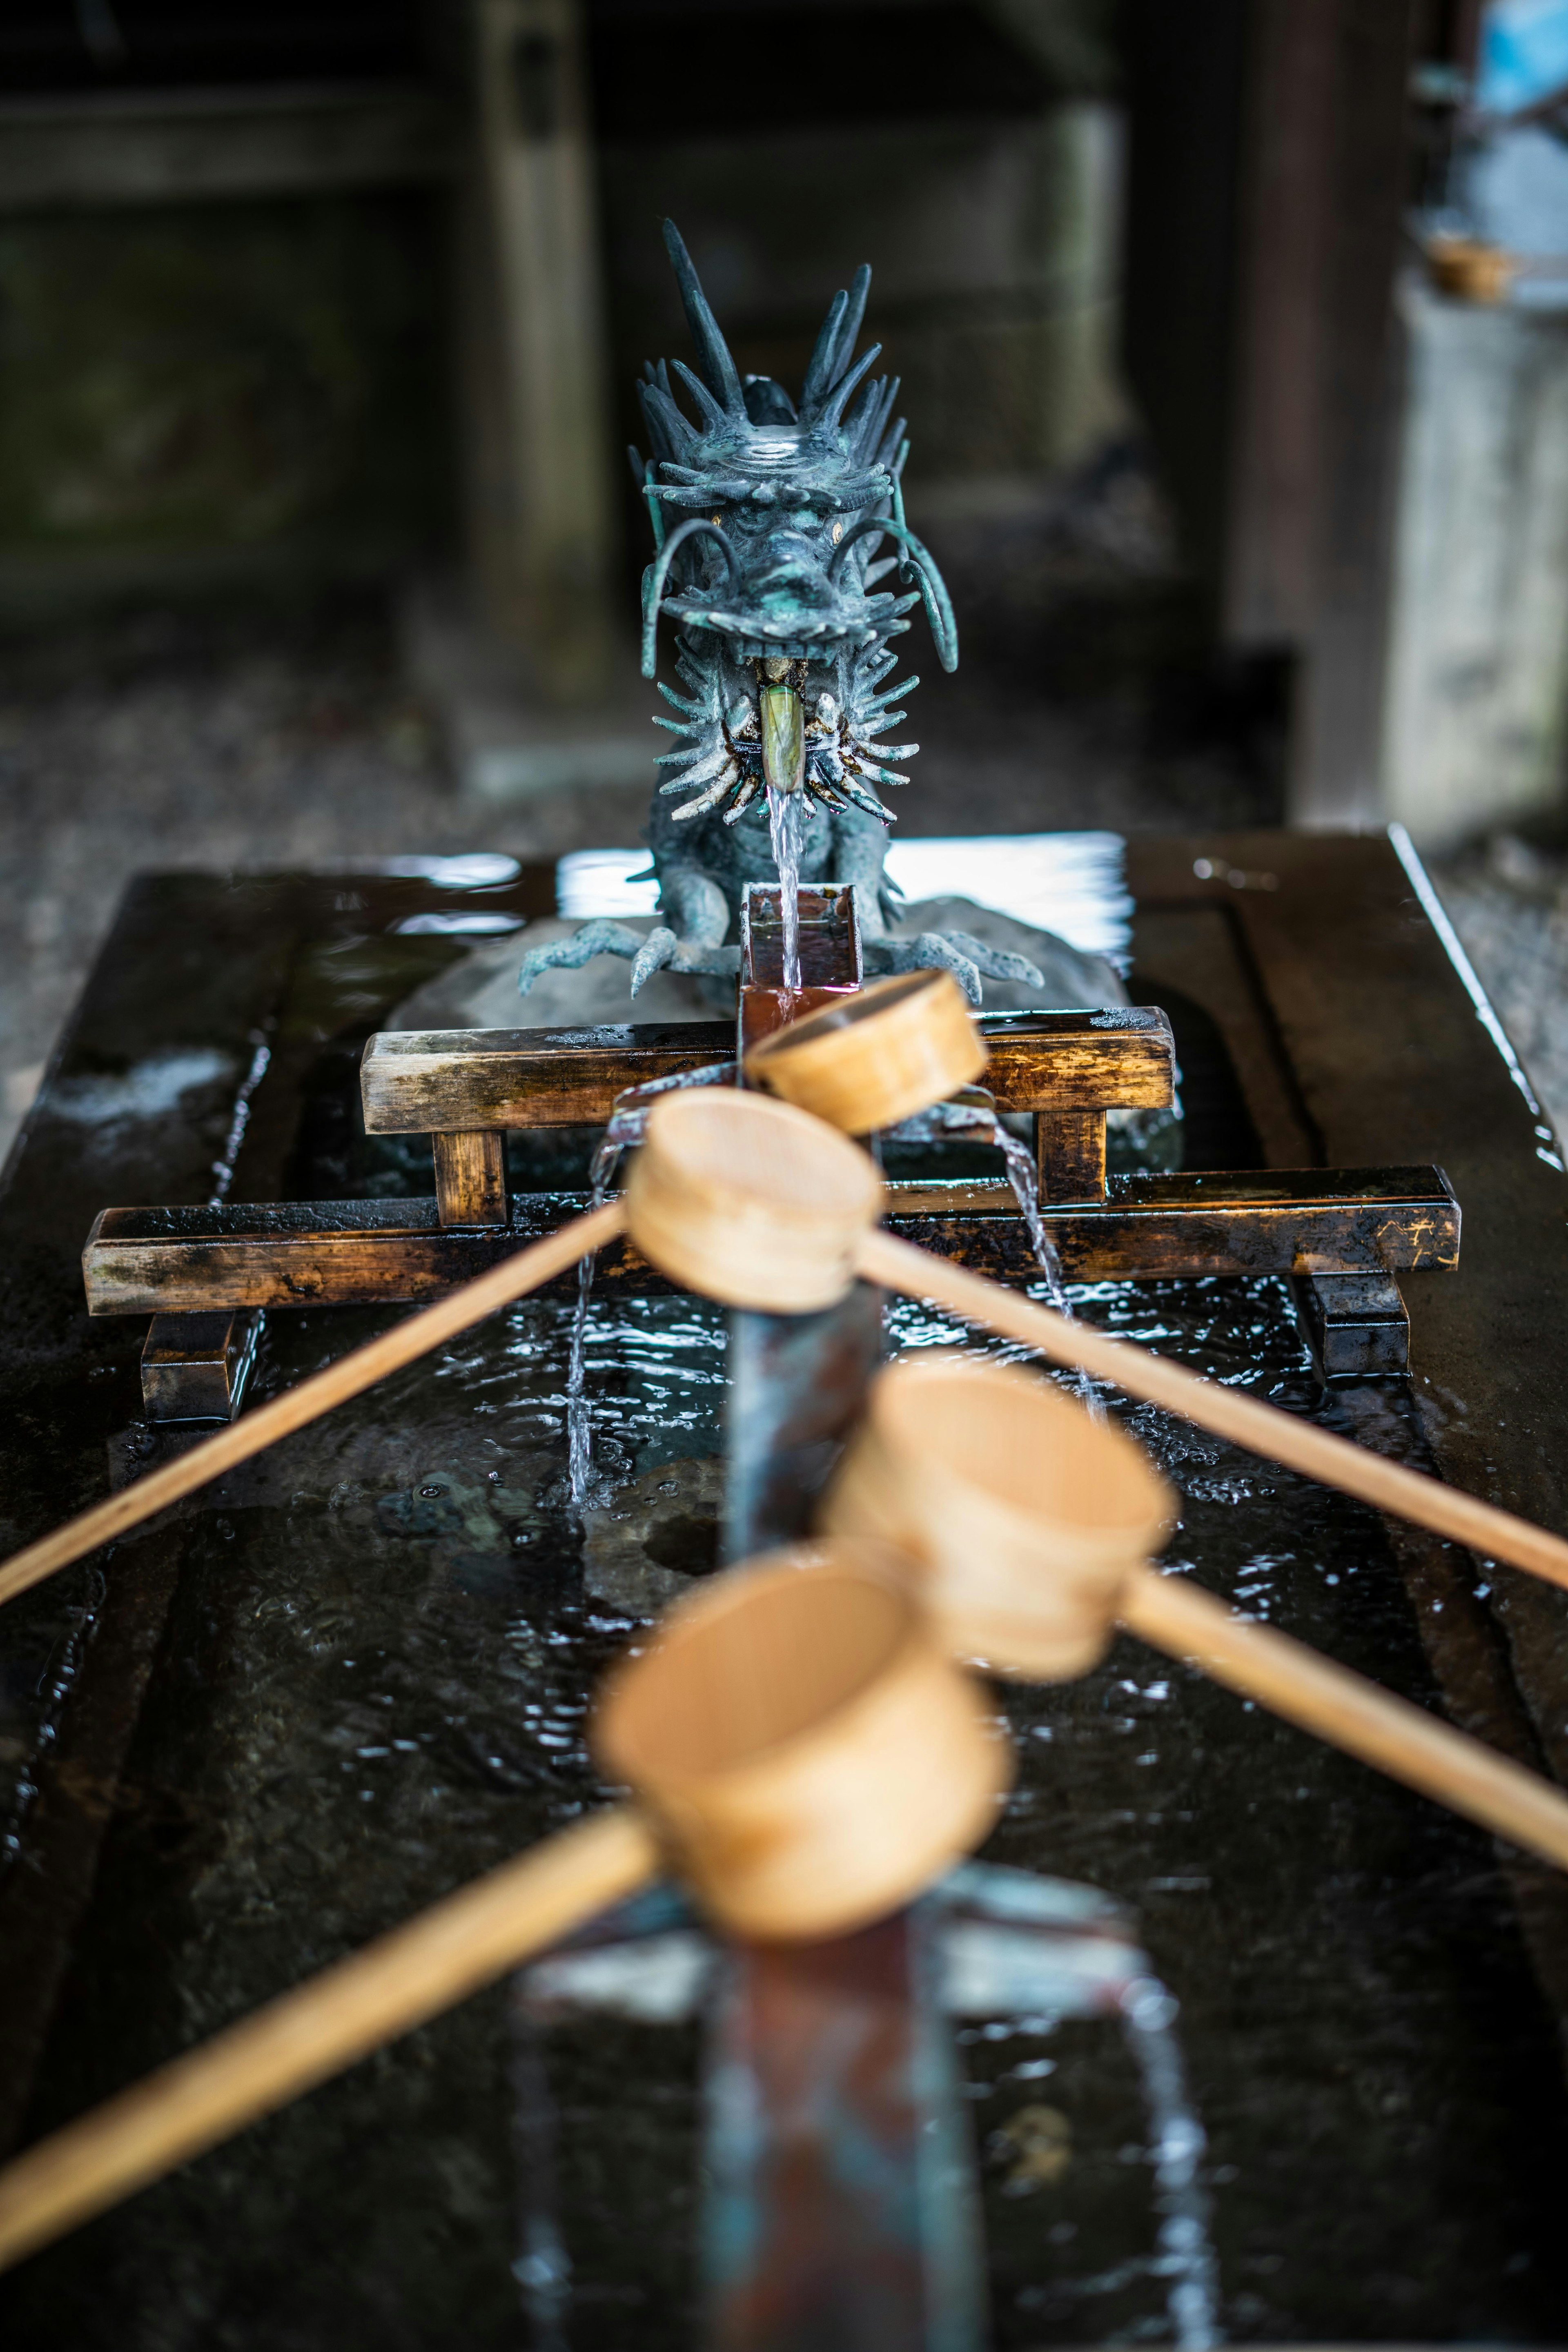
(322, 2027)
(1262, 1428)
(513, 1278)
(1347, 1711)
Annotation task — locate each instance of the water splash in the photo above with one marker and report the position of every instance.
(628, 1123)
(1186, 2255)
(786, 816)
(975, 1114)
(579, 1431)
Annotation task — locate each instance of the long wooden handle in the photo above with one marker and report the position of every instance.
(513, 1278)
(322, 2027)
(1339, 1707)
(1262, 1428)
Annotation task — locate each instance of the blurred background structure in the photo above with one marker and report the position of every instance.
(1235, 347)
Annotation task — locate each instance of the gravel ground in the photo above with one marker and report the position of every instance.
(245, 738)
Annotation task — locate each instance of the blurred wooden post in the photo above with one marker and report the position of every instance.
(536, 425)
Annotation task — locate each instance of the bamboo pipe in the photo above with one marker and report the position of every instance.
(513, 1279)
(1028, 1526)
(799, 1744)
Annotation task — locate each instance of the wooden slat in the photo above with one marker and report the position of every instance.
(470, 1177)
(1069, 1153)
(358, 1253)
(442, 1081)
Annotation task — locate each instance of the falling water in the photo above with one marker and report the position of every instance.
(784, 813)
(1186, 2255)
(974, 1113)
(579, 1436)
(1025, 1178)
(628, 1118)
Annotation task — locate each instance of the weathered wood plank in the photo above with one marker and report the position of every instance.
(470, 1177)
(1069, 1153)
(359, 1252)
(444, 1081)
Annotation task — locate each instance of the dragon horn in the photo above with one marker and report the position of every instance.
(855, 312)
(833, 407)
(819, 374)
(712, 349)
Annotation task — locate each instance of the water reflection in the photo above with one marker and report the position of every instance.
(373, 1685)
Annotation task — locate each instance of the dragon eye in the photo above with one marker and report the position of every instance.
(838, 532)
(713, 519)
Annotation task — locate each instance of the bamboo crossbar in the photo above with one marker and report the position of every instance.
(1262, 1428)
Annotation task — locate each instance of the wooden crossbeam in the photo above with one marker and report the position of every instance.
(449, 1081)
(362, 1253)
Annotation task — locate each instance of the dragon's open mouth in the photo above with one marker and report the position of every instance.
(755, 723)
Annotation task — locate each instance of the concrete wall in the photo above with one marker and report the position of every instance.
(1478, 685)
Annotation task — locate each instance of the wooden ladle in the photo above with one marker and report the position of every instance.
(875, 1057)
(1032, 1525)
(714, 1202)
(802, 1749)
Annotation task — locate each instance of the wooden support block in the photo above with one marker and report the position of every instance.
(194, 1367)
(1069, 1148)
(470, 1177)
(446, 1081)
(360, 1253)
(1359, 1324)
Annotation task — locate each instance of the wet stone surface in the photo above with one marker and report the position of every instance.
(373, 1684)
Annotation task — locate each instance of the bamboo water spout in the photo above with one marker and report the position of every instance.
(799, 1746)
(1033, 1524)
(718, 1154)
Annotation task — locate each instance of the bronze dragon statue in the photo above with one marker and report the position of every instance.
(770, 525)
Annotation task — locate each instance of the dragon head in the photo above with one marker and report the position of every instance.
(767, 521)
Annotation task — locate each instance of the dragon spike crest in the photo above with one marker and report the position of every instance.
(769, 522)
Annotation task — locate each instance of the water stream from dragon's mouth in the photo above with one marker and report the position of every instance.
(785, 819)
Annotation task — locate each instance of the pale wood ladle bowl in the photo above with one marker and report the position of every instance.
(1031, 1525)
(802, 1749)
(877, 1057)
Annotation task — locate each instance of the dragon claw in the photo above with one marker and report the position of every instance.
(931, 951)
(656, 950)
(598, 938)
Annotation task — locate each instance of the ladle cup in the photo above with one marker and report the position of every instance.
(875, 1057)
(801, 1748)
(1032, 1525)
(1025, 1513)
